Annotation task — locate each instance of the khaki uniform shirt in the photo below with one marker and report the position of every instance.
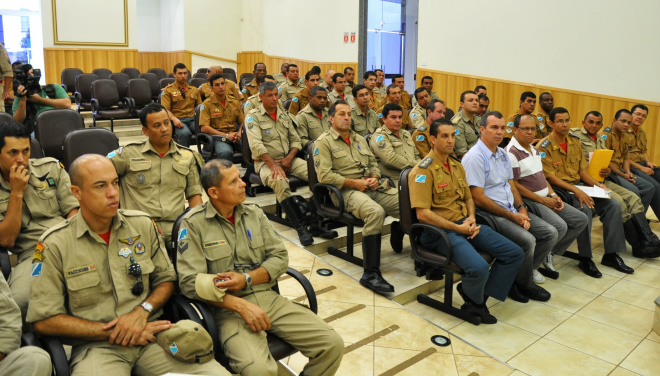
(421, 139)
(251, 88)
(335, 160)
(11, 325)
(157, 186)
(231, 90)
(299, 101)
(542, 120)
(251, 103)
(267, 136)
(564, 165)
(376, 100)
(179, 106)
(382, 90)
(608, 140)
(333, 97)
(288, 90)
(75, 272)
(280, 78)
(588, 144)
(46, 202)
(5, 64)
(219, 117)
(210, 244)
(541, 129)
(638, 145)
(418, 116)
(310, 127)
(393, 152)
(468, 132)
(363, 123)
(348, 89)
(443, 191)
(406, 123)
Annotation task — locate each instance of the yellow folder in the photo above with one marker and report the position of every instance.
(599, 160)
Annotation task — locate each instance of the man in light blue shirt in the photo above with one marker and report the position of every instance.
(490, 176)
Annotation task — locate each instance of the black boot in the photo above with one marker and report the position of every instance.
(396, 237)
(297, 220)
(372, 279)
(246, 179)
(316, 228)
(648, 244)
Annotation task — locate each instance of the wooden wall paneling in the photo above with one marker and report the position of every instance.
(247, 60)
(505, 97)
(86, 59)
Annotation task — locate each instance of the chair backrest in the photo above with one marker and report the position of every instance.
(198, 128)
(165, 81)
(407, 215)
(449, 113)
(5, 117)
(197, 82)
(131, 72)
(87, 141)
(202, 70)
(105, 92)
(83, 85)
(286, 104)
(159, 72)
(245, 147)
(246, 78)
(199, 75)
(140, 90)
(153, 83)
(312, 178)
(35, 149)
(102, 72)
(229, 73)
(170, 75)
(51, 128)
(121, 80)
(68, 78)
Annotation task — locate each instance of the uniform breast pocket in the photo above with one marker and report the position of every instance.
(462, 188)
(441, 191)
(181, 172)
(339, 154)
(147, 268)
(219, 257)
(178, 101)
(84, 290)
(470, 135)
(268, 132)
(49, 204)
(139, 173)
(359, 126)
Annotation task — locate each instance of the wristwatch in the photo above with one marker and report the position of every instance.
(147, 307)
(248, 281)
(551, 195)
(521, 206)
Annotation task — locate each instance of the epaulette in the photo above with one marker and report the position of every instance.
(197, 209)
(454, 120)
(425, 162)
(575, 130)
(319, 138)
(545, 143)
(422, 128)
(571, 134)
(133, 213)
(57, 227)
(43, 161)
(608, 130)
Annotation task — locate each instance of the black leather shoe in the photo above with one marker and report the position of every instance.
(321, 232)
(396, 237)
(589, 268)
(517, 295)
(481, 311)
(642, 252)
(615, 261)
(537, 293)
(373, 280)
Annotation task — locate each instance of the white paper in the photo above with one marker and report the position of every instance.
(595, 192)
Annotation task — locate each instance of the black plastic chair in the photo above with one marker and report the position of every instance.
(105, 100)
(138, 91)
(159, 72)
(165, 81)
(88, 141)
(102, 72)
(229, 73)
(83, 94)
(246, 78)
(153, 83)
(51, 128)
(131, 72)
(36, 151)
(121, 80)
(201, 313)
(68, 79)
(198, 81)
(199, 75)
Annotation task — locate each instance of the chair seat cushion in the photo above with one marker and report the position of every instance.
(346, 217)
(113, 114)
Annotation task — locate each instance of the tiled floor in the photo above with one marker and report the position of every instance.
(589, 327)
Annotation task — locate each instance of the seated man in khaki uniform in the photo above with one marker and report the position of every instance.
(180, 99)
(343, 159)
(157, 174)
(301, 99)
(326, 81)
(380, 82)
(418, 113)
(292, 86)
(375, 99)
(527, 106)
(421, 137)
(274, 143)
(394, 96)
(254, 101)
(427, 82)
(252, 87)
(236, 245)
(363, 118)
(219, 116)
(406, 100)
(231, 88)
(100, 281)
(484, 104)
(313, 119)
(467, 123)
(339, 90)
(349, 73)
(280, 77)
(16, 360)
(393, 146)
(35, 195)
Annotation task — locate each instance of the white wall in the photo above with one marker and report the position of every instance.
(599, 46)
(148, 25)
(252, 28)
(213, 27)
(205, 62)
(172, 25)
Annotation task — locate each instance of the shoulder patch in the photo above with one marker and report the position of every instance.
(250, 118)
(608, 129)
(379, 138)
(425, 162)
(509, 124)
(295, 99)
(380, 115)
(457, 131)
(419, 138)
(545, 144)
(422, 128)
(414, 115)
(244, 91)
(201, 108)
(420, 178)
(540, 118)
(603, 136)
(112, 154)
(247, 103)
(542, 154)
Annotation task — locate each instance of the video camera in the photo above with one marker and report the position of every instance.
(30, 82)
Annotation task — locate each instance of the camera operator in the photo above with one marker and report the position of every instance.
(32, 98)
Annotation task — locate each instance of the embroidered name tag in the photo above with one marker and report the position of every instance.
(214, 243)
(80, 270)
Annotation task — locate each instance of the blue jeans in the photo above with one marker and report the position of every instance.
(653, 180)
(478, 280)
(184, 135)
(224, 150)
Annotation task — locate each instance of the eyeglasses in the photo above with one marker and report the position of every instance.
(640, 114)
(135, 270)
(528, 129)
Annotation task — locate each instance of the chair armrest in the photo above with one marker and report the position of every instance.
(95, 105)
(390, 182)
(307, 286)
(5, 263)
(30, 339)
(78, 98)
(484, 218)
(416, 230)
(563, 194)
(64, 87)
(54, 348)
(318, 190)
(205, 139)
(200, 313)
(128, 104)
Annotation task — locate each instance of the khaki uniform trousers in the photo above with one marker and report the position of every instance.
(19, 283)
(631, 204)
(26, 361)
(106, 359)
(281, 186)
(370, 206)
(301, 328)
